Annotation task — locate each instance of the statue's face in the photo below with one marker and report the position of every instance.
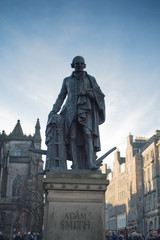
(79, 64)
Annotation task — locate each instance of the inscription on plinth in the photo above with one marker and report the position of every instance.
(82, 219)
(75, 220)
(73, 213)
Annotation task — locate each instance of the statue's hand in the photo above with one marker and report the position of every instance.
(90, 94)
(52, 112)
(82, 93)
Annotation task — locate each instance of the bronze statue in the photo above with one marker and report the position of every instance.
(83, 112)
(73, 132)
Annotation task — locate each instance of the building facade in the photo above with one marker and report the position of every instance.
(21, 193)
(133, 194)
(150, 156)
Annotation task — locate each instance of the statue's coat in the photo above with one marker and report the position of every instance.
(69, 110)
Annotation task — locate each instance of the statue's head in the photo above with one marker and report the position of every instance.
(78, 63)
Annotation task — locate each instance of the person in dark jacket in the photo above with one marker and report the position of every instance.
(1, 236)
(114, 236)
(134, 235)
(150, 235)
(30, 236)
(18, 236)
(158, 234)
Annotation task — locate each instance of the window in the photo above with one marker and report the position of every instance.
(148, 174)
(122, 167)
(155, 223)
(16, 186)
(154, 201)
(2, 220)
(152, 155)
(121, 195)
(149, 202)
(144, 175)
(17, 152)
(158, 149)
(106, 204)
(110, 176)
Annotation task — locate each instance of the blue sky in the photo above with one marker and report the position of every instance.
(120, 41)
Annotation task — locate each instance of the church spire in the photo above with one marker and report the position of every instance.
(17, 131)
(37, 136)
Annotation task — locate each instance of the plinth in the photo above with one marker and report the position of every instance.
(74, 205)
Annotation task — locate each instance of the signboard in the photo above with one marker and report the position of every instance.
(121, 221)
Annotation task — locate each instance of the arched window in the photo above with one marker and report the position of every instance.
(16, 186)
(17, 152)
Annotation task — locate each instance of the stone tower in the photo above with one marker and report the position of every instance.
(19, 183)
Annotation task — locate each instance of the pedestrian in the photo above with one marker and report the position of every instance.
(158, 234)
(110, 235)
(38, 236)
(139, 236)
(18, 236)
(107, 237)
(114, 236)
(30, 236)
(120, 237)
(1, 236)
(34, 236)
(134, 235)
(150, 235)
(25, 236)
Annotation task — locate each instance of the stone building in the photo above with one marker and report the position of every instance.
(133, 194)
(116, 195)
(150, 156)
(21, 194)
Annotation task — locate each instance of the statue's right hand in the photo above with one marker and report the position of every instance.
(52, 112)
(82, 93)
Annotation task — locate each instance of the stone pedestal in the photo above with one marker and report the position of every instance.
(74, 206)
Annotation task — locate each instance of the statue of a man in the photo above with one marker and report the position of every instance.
(83, 112)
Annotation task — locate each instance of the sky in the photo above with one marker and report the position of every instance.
(120, 41)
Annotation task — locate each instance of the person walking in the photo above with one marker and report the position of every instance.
(1, 236)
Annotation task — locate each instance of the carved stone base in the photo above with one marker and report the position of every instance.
(74, 206)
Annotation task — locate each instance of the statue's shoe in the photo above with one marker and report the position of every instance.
(92, 166)
(74, 166)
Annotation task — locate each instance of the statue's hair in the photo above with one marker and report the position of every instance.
(74, 59)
